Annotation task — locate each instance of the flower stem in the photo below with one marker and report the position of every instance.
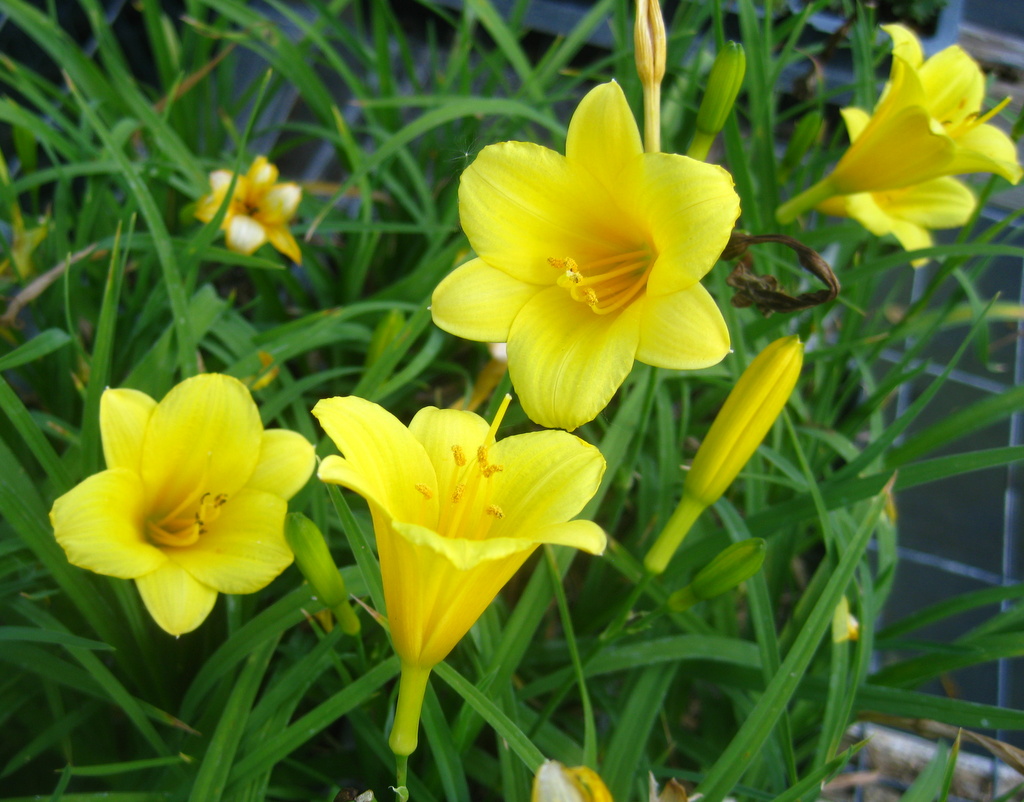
(700, 146)
(807, 199)
(652, 118)
(672, 535)
(405, 731)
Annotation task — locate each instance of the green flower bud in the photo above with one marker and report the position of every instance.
(736, 564)
(724, 84)
(317, 565)
(804, 135)
(385, 333)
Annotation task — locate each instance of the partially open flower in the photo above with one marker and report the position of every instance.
(455, 514)
(557, 783)
(259, 209)
(927, 124)
(193, 500)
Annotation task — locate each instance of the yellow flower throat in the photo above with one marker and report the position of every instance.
(608, 284)
(183, 525)
(467, 512)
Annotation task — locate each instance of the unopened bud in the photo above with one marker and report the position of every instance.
(744, 420)
(804, 135)
(736, 564)
(649, 42)
(724, 84)
(385, 333)
(317, 566)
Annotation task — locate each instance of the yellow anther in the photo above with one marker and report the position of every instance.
(490, 470)
(457, 493)
(590, 296)
(425, 491)
(496, 511)
(460, 456)
(481, 457)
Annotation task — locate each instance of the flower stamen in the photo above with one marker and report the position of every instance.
(606, 284)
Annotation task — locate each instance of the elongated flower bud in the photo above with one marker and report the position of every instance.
(744, 420)
(733, 565)
(317, 565)
(724, 84)
(805, 134)
(650, 44)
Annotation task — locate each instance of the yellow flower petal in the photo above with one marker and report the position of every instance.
(954, 87)
(912, 237)
(280, 204)
(203, 437)
(177, 602)
(682, 331)
(380, 453)
(243, 234)
(583, 535)
(940, 203)
(856, 121)
(603, 137)
(521, 204)
(534, 463)
(479, 302)
(124, 415)
(905, 44)
(689, 208)
(243, 549)
(283, 241)
(439, 431)
(431, 601)
(262, 174)
(566, 377)
(285, 463)
(99, 524)
(987, 149)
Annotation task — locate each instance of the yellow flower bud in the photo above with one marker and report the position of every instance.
(733, 565)
(649, 42)
(744, 420)
(317, 565)
(724, 84)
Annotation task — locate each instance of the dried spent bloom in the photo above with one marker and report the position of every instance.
(589, 261)
(927, 124)
(259, 209)
(192, 502)
(455, 514)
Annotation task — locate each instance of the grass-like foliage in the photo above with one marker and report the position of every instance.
(112, 117)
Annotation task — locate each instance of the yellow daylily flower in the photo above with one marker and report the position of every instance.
(259, 210)
(557, 783)
(589, 261)
(927, 124)
(455, 514)
(908, 213)
(192, 502)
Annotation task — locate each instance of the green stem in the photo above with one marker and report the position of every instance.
(700, 146)
(405, 731)
(808, 199)
(672, 535)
